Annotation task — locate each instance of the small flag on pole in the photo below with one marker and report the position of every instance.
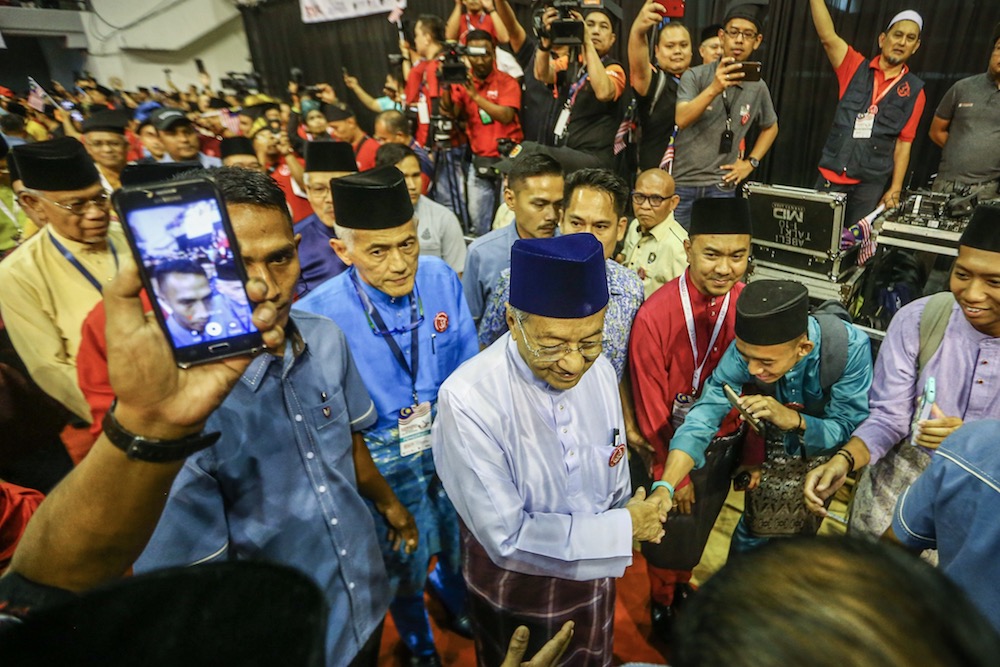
(37, 97)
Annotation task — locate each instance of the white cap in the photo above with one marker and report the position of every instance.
(908, 15)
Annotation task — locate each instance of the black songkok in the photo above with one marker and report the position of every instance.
(330, 156)
(730, 215)
(236, 146)
(335, 113)
(772, 312)
(106, 121)
(983, 230)
(55, 165)
(373, 199)
(754, 11)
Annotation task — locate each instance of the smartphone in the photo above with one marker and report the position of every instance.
(188, 255)
(76, 116)
(200, 64)
(734, 399)
(674, 9)
(924, 405)
(751, 71)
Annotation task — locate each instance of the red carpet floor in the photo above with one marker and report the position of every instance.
(632, 629)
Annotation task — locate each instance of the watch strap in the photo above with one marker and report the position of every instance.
(138, 448)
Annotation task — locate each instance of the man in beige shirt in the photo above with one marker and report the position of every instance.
(54, 279)
(654, 244)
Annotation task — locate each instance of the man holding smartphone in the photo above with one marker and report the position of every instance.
(717, 104)
(876, 120)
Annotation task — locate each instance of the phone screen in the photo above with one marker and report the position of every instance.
(190, 263)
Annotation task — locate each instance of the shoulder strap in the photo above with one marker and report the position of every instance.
(661, 83)
(832, 349)
(933, 322)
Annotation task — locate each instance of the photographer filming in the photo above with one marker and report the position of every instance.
(488, 103)
(587, 80)
(423, 95)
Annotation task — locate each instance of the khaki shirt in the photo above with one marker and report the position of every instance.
(658, 255)
(44, 300)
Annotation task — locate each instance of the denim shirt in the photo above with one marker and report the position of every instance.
(280, 484)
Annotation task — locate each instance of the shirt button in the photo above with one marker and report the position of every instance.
(985, 362)
(298, 418)
(343, 552)
(564, 431)
(979, 381)
(334, 521)
(310, 455)
(322, 489)
(563, 407)
(351, 585)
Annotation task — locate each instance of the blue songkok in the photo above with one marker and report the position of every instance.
(562, 277)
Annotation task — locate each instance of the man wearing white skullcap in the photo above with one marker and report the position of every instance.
(877, 117)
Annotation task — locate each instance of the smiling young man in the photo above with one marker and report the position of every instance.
(655, 84)
(55, 278)
(409, 327)
(775, 358)
(962, 367)
(716, 109)
(529, 446)
(881, 102)
(678, 338)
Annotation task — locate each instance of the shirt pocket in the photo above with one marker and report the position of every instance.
(331, 422)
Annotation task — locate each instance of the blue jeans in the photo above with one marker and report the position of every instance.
(482, 201)
(449, 182)
(682, 214)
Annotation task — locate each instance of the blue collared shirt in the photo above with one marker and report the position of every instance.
(487, 257)
(532, 470)
(280, 484)
(446, 338)
(317, 259)
(830, 418)
(626, 295)
(206, 161)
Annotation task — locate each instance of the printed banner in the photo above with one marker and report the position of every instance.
(318, 11)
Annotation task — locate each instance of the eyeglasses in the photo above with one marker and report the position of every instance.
(319, 190)
(106, 144)
(748, 35)
(101, 201)
(638, 198)
(552, 353)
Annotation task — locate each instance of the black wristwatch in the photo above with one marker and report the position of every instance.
(754, 162)
(138, 448)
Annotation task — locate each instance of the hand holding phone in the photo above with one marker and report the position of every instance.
(190, 264)
(924, 405)
(750, 70)
(734, 399)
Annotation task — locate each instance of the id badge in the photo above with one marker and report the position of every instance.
(423, 111)
(863, 125)
(682, 406)
(726, 143)
(415, 429)
(484, 117)
(561, 123)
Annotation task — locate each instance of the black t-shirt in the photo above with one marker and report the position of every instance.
(592, 123)
(656, 122)
(536, 101)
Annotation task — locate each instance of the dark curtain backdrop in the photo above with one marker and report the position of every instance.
(955, 44)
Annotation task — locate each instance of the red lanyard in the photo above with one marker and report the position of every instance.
(873, 109)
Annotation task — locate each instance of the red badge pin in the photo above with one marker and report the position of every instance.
(903, 90)
(617, 455)
(441, 322)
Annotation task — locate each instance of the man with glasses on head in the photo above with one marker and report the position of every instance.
(55, 278)
(529, 444)
(654, 244)
(104, 139)
(408, 326)
(716, 109)
(881, 102)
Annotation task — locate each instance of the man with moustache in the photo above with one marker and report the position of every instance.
(876, 120)
(409, 327)
(678, 338)
(104, 139)
(716, 110)
(179, 138)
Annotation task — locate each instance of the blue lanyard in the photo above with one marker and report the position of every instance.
(378, 327)
(76, 263)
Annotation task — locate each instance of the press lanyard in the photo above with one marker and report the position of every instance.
(873, 109)
(693, 336)
(729, 109)
(80, 267)
(379, 328)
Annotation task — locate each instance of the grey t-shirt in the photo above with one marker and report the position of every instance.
(972, 154)
(440, 233)
(698, 158)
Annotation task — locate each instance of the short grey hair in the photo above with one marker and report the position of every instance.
(519, 315)
(345, 234)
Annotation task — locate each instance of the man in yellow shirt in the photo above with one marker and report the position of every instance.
(54, 279)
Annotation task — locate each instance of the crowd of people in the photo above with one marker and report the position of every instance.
(501, 354)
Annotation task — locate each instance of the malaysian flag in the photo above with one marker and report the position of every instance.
(868, 235)
(37, 97)
(667, 161)
(230, 121)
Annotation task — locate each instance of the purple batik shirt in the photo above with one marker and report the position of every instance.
(965, 369)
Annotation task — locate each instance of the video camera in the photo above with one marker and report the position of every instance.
(566, 30)
(452, 69)
(240, 81)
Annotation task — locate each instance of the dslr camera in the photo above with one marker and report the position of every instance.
(565, 30)
(452, 69)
